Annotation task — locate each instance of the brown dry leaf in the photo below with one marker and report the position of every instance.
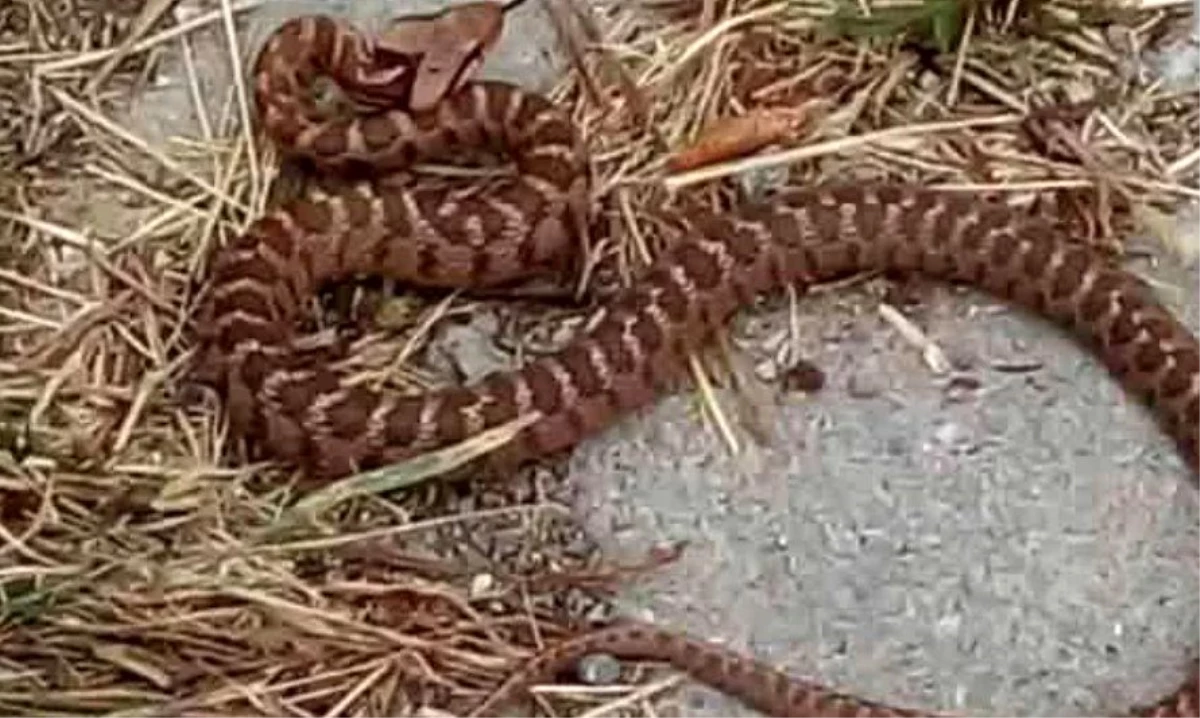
(451, 46)
(733, 137)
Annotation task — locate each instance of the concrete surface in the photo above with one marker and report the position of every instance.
(1027, 546)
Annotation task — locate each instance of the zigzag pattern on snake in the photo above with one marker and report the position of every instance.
(292, 407)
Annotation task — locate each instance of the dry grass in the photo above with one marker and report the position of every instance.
(140, 575)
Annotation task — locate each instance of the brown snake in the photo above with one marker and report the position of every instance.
(288, 404)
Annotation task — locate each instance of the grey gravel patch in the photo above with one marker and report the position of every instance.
(469, 349)
(1027, 548)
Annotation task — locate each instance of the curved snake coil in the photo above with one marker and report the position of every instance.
(289, 405)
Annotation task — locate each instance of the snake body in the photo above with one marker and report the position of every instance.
(292, 407)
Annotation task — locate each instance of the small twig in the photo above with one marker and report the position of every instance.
(931, 353)
(83, 59)
(713, 406)
(137, 142)
(243, 99)
(764, 162)
(149, 14)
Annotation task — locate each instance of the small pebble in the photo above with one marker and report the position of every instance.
(952, 438)
(482, 584)
(766, 370)
(803, 377)
(961, 388)
(599, 669)
(756, 184)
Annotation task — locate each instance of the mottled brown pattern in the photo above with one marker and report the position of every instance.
(289, 405)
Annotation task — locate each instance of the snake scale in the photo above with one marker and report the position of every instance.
(290, 405)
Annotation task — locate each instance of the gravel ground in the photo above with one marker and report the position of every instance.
(1021, 541)
(1027, 546)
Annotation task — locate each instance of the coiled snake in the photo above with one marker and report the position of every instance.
(291, 406)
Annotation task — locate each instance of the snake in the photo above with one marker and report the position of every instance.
(413, 99)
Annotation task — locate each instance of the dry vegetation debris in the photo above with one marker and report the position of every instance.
(140, 574)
